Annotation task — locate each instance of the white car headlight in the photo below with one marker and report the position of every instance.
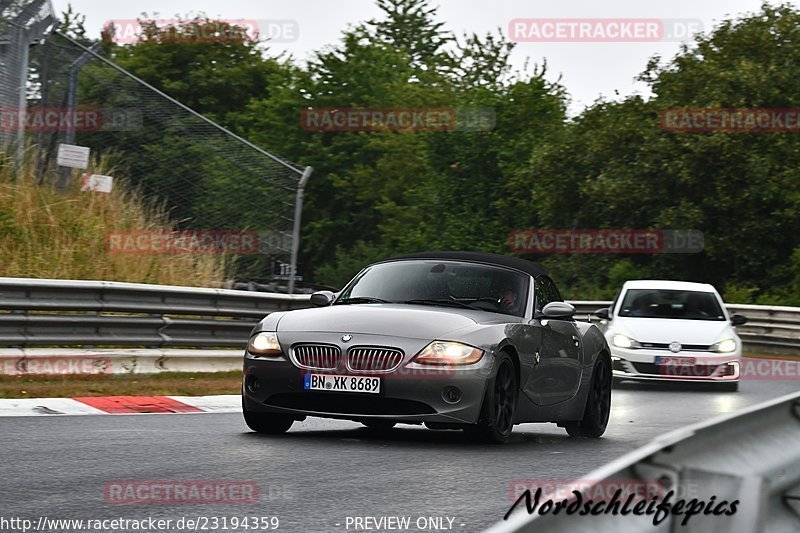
(448, 353)
(623, 341)
(264, 343)
(724, 346)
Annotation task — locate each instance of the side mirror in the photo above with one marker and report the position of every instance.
(603, 313)
(558, 310)
(738, 320)
(322, 298)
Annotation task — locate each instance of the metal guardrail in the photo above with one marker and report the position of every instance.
(40, 312)
(751, 456)
(101, 313)
(772, 328)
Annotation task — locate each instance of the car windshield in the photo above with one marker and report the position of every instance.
(659, 303)
(441, 283)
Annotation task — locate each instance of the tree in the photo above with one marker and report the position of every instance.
(615, 167)
(204, 64)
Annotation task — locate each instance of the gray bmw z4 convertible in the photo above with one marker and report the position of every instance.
(452, 340)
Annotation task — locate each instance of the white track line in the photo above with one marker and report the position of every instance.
(67, 406)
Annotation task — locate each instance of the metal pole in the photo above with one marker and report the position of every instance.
(45, 81)
(72, 104)
(298, 212)
(25, 34)
(23, 44)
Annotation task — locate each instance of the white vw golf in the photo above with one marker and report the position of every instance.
(672, 330)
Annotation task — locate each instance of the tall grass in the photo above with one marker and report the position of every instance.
(45, 233)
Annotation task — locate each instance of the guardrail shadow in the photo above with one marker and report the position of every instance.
(669, 386)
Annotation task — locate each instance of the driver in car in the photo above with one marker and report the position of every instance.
(508, 298)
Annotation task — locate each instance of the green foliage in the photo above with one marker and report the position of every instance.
(208, 179)
(410, 27)
(740, 293)
(406, 191)
(215, 75)
(348, 262)
(614, 167)
(374, 194)
(74, 25)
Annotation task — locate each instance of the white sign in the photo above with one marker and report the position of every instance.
(73, 156)
(97, 183)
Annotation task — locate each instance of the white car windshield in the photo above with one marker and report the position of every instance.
(661, 303)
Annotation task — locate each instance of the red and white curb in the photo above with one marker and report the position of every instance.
(121, 405)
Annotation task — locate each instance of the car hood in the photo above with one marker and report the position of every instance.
(397, 320)
(666, 330)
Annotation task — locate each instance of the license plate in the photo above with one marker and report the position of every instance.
(675, 361)
(342, 383)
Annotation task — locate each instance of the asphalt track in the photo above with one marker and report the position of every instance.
(324, 471)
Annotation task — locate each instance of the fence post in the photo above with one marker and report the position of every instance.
(298, 211)
(72, 98)
(23, 25)
(23, 45)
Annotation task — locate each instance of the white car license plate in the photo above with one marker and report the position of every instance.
(675, 361)
(342, 383)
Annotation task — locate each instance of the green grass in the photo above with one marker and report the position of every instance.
(47, 233)
(163, 384)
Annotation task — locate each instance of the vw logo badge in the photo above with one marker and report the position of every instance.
(675, 347)
(347, 338)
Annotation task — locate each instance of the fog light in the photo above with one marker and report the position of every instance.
(251, 384)
(451, 394)
(731, 369)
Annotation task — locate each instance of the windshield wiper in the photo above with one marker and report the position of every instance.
(446, 303)
(362, 300)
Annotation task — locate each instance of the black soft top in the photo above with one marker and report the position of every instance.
(523, 265)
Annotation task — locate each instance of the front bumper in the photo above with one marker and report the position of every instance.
(640, 364)
(412, 393)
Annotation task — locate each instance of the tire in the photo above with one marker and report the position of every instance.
(728, 387)
(499, 405)
(266, 423)
(598, 404)
(379, 426)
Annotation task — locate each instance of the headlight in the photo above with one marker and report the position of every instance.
(726, 346)
(264, 343)
(448, 353)
(623, 341)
